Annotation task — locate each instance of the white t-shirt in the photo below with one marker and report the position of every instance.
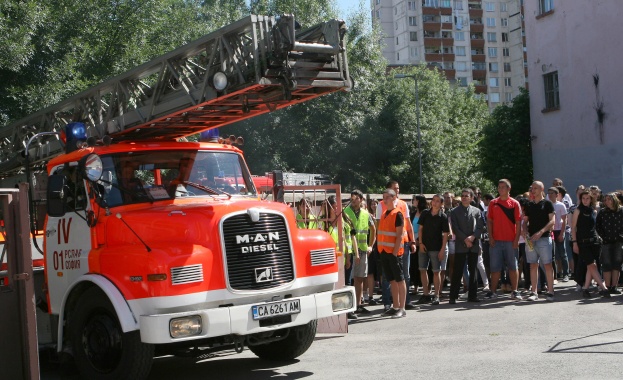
(379, 210)
(561, 212)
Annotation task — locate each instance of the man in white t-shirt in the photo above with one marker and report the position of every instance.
(560, 224)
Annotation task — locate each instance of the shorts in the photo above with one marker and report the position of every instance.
(611, 257)
(502, 252)
(374, 265)
(361, 270)
(589, 253)
(542, 251)
(392, 267)
(424, 258)
(451, 245)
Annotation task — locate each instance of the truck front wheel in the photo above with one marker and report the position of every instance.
(294, 345)
(101, 349)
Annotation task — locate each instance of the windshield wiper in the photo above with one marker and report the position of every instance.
(205, 188)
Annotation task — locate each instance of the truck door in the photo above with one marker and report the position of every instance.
(68, 238)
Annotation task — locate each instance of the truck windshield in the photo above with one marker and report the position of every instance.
(148, 176)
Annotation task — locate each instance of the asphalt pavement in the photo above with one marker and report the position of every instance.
(570, 338)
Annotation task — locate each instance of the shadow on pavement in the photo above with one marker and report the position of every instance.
(582, 346)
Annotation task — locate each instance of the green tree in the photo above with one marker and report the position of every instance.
(507, 146)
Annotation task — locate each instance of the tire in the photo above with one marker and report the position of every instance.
(298, 341)
(101, 349)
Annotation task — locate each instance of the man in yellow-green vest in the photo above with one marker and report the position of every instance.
(365, 236)
(304, 216)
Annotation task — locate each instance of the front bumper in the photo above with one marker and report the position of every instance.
(238, 320)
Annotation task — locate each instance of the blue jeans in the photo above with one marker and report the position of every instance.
(561, 254)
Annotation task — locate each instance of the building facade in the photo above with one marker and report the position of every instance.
(472, 41)
(575, 87)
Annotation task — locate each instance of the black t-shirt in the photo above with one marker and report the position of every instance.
(538, 215)
(434, 226)
(400, 220)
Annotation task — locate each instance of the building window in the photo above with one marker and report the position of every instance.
(413, 51)
(504, 22)
(378, 14)
(458, 4)
(491, 22)
(412, 36)
(552, 98)
(459, 36)
(490, 7)
(508, 97)
(446, 18)
(430, 3)
(546, 6)
(396, 24)
(504, 37)
(507, 67)
(378, 2)
(397, 43)
(493, 67)
(479, 66)
(428, 18)
(507, 82)
(398, 56)
(460, 66)
(446, 3)
(411, 5)
(460, 50)
(506, 52)
(503, 7)
(494, 97)
(492, 37)
(462, 81)
(493, 52)
(494, 82)
(412, 21)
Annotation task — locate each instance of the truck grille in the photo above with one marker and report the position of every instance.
(322, 256)
(257, 254)
(186, 274)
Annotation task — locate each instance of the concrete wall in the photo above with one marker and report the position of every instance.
(578, 39)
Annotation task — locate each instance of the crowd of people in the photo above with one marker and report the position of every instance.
(520, 245)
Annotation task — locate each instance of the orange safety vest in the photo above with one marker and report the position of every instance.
(386, 238)
(402, 207)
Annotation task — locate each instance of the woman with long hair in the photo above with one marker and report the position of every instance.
(610, 229)
(586, 241)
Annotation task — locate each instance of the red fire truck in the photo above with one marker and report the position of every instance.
(150, 243)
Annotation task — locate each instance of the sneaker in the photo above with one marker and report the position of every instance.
(410, 306)
(559, 276)
(463, 296)
(491, 295)
(549, 297)
(586, 293)
(516, 296)
(390, 312)
(399, 314)
(578, 288)
(604, 293)
(435, 301)
(362, 310)
(533, 297)
(452, 301)
(351, 316)
(614, 290)
(424, 299)
(565, 279)
(372, 302)
(486, 288)
(473, 300)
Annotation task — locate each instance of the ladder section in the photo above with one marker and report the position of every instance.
(266, 65)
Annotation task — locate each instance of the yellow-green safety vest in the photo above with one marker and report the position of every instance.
(362, 226)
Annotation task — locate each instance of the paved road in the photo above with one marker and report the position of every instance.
(571, 338)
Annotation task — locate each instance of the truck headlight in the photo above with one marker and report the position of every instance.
(342, 301)
(186, 326)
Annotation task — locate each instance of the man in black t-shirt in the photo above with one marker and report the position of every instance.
(540, 220)
(433, 238)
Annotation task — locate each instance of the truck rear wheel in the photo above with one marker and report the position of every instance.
(101, 349)
(294, 345)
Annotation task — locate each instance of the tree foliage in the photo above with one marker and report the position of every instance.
(507, 146)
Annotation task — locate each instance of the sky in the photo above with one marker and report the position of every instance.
(344, 6)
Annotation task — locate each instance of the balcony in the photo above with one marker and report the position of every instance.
(479, 74)
(480, 89)
(449, 25)
(479, 57)
(432, 26)
(477, 44)
(436, 11)
(450, 74)
(476, 28)
(432, 41)
(447, 41)
(432, 57)
(475, 12)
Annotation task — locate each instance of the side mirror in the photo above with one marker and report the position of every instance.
(56, 195)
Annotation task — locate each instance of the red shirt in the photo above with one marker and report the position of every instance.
(503, 227)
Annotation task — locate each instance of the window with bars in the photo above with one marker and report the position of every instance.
(546, 6)
(552, 97)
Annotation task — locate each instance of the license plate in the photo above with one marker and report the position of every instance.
(277, 308)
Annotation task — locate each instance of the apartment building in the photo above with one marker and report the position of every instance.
(472, 41)
(575, 90)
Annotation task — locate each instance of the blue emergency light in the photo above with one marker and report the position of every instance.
(211, 135)
(76, 134)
